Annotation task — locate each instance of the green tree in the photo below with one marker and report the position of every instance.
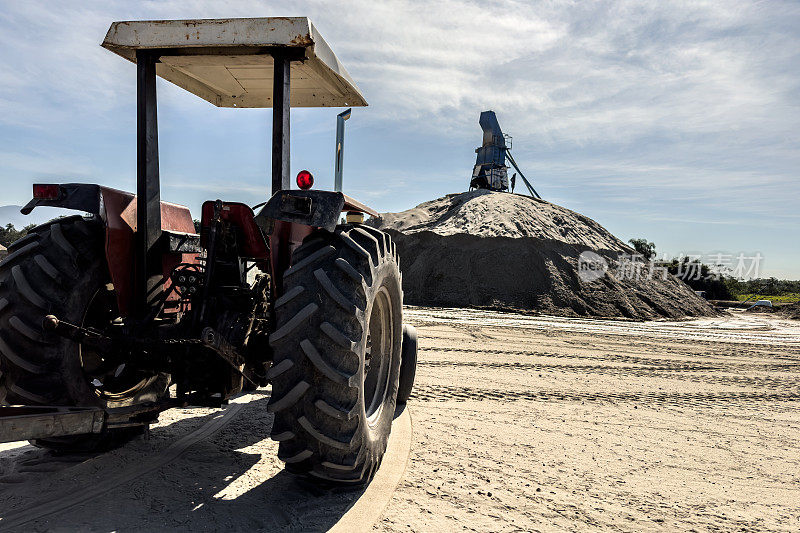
(10, 234)
(700, 277)
(646, 249)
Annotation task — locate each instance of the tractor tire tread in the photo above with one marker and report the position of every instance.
(280, 437)
(48, 268)
(333, 292)
(279, 369)
(28, 248)
(57, 232)
(289, 296)
(25, 289)
(294, 322)
(335, 412)
(31, 236)
(288, 399)
(296, 458)
(24, 329)
(325, 368)
(321, 426)
(348, 269)
(322, 437)
(336, 335)
(300, 265)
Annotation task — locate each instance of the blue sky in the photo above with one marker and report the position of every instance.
(675, 121)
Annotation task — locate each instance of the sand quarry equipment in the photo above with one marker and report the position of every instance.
(109, 318)
(490, 170)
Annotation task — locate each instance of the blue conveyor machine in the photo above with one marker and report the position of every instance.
(490, 171)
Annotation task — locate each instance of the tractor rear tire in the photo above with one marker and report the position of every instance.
(337, 347)
(59, 268)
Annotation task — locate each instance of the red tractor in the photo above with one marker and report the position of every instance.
(108, 319)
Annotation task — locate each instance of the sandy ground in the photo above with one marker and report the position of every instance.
(520, 423)
(535, 423)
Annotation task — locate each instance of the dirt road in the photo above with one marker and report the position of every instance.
(520, 423)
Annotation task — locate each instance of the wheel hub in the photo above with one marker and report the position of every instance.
(106, 372)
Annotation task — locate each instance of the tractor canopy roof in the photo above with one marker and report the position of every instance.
(229, 61)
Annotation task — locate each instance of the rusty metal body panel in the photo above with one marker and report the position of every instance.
(119, 210)
(229, 62)
(254, 245)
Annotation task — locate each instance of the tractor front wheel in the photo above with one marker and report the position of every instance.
(337, 348)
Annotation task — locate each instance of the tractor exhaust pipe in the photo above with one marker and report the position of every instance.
(340, 118)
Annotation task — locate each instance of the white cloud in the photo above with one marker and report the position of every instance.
(560, 72)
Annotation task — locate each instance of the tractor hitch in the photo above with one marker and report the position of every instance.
(210, 339)
(142, 350)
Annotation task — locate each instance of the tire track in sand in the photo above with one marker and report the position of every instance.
(443, 393)
(689, 372)
(70, 498)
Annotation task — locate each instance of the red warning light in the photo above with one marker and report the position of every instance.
(46, 192)
(305, 180)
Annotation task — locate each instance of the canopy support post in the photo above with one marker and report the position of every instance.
(147, 282)
(281, 90)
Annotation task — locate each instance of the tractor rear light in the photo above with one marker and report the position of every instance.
(305, 180)
(46, 192)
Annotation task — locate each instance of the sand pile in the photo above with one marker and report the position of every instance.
(500, 250)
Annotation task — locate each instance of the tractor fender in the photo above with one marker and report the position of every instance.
(291, 215)
(117, 210)
(319, 209)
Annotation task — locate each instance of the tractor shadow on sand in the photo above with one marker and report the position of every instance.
(230, 480)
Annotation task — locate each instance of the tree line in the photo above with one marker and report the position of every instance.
(9, 233)
(716, 285)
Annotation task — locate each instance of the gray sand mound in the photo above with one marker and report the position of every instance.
(487, 249)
